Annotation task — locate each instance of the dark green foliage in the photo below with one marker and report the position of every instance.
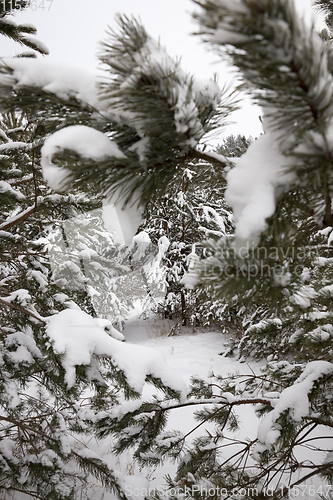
(281, 294)
(292, 67)
(149, 94)
(234, 146)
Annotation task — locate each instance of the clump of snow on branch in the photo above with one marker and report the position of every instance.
(86, 141)
(77, 336)
(121, 220)
(5, 187)
(253, 185)
(63, 80)
(303, 296)
(141, 242)
(35, 44)
(294, 399)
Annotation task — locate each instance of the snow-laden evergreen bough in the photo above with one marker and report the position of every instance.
(150, 118)
(152, 111)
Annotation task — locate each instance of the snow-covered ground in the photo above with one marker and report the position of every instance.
(191, 352)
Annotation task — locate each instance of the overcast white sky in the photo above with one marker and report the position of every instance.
(71, 29)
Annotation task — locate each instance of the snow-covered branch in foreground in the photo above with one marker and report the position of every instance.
(294, 399)
(85, 141)
(137, 62)
(78, 336)
(288, 68)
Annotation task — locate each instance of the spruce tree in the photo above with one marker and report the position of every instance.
(188, 214)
